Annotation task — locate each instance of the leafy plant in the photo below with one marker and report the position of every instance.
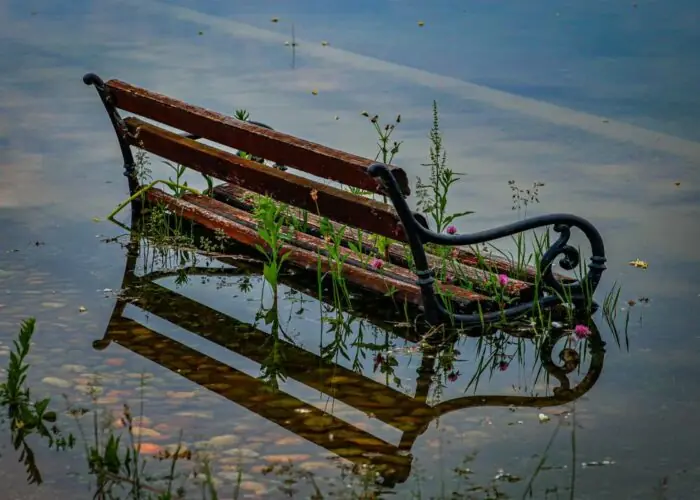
(26, 416)
(270, 217)
(433, 195)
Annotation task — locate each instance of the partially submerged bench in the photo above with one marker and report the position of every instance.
(464, 294)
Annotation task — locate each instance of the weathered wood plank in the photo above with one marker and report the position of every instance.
(276, 146)
(217, 215)
(301, 192)
(243, 199)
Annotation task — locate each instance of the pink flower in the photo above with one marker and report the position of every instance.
(376, 264)
(453, 376)
(451, 230)
(503, 279)
(582, 331)
(503, 366)
(378, 361)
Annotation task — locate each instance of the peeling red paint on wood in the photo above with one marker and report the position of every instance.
(284, 149)
(334, 203)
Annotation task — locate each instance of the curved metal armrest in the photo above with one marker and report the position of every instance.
(417, 234)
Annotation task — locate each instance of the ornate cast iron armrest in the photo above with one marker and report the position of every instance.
(418, 234)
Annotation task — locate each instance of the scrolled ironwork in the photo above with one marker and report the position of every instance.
(417, 234)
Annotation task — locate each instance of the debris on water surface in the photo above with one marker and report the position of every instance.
(505, 476)
(638, 263)
(544, 418)
(597, 464)
(82, 309)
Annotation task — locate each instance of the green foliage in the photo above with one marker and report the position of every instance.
(270, 217)
(433, 195)
(28, 417)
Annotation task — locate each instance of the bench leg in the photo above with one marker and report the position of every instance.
(119, 128)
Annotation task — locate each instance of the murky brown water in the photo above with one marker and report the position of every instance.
(202, 359)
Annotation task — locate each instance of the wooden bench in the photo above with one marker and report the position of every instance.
(464, 294)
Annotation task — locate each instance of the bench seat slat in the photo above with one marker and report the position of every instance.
(241, 198)
(335, 203)
(215, 215)
(275, 146)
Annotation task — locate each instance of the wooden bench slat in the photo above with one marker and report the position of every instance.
(239, 197)
(214, 215)
(276, 146)
(335, 203)
(313, 244)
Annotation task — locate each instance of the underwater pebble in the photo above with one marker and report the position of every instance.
(57, 382)
(181, 394)
(74, 368)
(242, 452)
(257, 488)
(145, 432)
(223, 440)
(149, 448)
(286, 458)
(194, 414)
(290, 440)
(316, 466)
(115, 361)
(53, 305)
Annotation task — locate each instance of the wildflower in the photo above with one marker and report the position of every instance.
(502, 279)
(376, 264)
(582, 331)
(378, 361)
(451, 230)
(314, 195)
(503, 365)
(453, 376)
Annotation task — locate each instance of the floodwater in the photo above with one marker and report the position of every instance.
(596, 99)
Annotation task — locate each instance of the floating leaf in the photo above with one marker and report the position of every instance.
(638, 263)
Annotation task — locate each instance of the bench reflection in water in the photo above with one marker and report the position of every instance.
(410, 415)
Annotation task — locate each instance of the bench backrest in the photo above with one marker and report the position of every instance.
(272, 145)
